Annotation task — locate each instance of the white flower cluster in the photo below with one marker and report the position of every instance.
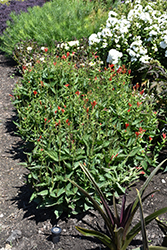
(140, 33)
(68, 44)
(114, 56)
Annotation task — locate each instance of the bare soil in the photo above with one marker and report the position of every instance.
(31, 228)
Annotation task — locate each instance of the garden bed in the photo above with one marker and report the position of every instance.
(35, 225)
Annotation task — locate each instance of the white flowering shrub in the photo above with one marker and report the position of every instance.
(135, 32)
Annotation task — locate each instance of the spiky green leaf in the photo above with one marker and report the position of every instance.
(102, 237)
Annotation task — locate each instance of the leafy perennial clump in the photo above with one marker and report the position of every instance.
(83, 114)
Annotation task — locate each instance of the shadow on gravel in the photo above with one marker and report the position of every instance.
(9, 62)
(41, 215)
(19, 147)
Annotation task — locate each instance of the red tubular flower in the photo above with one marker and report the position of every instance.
(164, 135)
(141, 130)
(111, 65)
(150, 138)
(58, 108)
(42, 83)
(95, 78)
(110, 79)
(87, 110)
(129, 110)
(45, 119)
(141, 92)
(66, 85)
(68, 53)
(77, 92)
(93, 104)
(126, 125)
(54, 63)
(119, 70)
(137, 134)
(130, 105)
(116, 155)
(63, 57)
(39, 138)
(67, 120)
(142, 172)
(55, 111)
(138, 104)
(24, 67)
(57, 123)
(137, 85)
(63, 110)
(138, 168)
(46, 49)
(129, 71)
(35, 92)
(40, 102)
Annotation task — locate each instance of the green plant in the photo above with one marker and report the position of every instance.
(73, 112)
(143, 230)
(60, 22)
(128, 36)
(120, 233)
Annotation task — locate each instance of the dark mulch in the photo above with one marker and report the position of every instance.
(34, 225)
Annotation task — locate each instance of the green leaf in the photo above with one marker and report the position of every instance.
(33, 196)
(53, 155)
(143, 227)
(119, 186)
(43, 193)
(58, 213)
(146, 183)
(157, 248)
(134, 151)
(119, 236)
(151, 248)
(162, 226)
(136, 204)
(102, 237)
(137, 228)
(60, 192)
(95, 204)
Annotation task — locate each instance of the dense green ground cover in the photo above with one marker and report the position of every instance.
(74, 107)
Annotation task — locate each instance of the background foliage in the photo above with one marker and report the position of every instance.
(61, 22)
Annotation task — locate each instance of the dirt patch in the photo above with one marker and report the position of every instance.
(22, 226)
